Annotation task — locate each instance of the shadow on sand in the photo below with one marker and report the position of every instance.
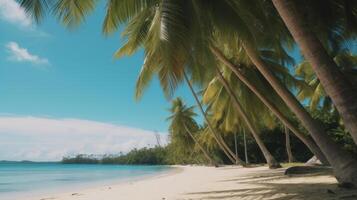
(274, 185)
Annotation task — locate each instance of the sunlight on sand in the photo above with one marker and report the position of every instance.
(193, 183)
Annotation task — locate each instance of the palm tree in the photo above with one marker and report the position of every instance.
(225, 88)
(336, 85)
(233, 157)
(183, 127)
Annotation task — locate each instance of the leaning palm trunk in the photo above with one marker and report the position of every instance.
(272, 163)
(288, 145)
(210, 160)
(343, 164)
(216, 136)
(338, 88)
(306, 140)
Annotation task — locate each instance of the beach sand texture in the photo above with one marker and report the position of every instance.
(197, 182)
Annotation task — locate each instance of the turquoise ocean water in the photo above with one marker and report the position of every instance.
(21, 180)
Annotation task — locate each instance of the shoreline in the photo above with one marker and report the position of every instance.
(48, 193)
(200, 182)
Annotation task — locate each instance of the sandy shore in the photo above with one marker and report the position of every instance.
(194, 182)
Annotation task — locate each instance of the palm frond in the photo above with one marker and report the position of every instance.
(36, 8)
(73, 12)
(121, 12)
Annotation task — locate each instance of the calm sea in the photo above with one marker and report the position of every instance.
(18, 180)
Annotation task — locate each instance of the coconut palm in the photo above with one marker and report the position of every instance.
(228, 112)
(336, 85)
(217, 136)
(183, 128)
(269, 158)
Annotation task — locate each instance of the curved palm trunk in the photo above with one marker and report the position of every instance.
(288, 145)
(211, 161)
(216, 136)
(272, 163)
(343, 164)
(336, 85)
(306, 140)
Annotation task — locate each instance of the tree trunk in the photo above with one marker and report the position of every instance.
(210, 160)
(345, 167)
(216, 136)
(245, 148)
(336, 85)
(236, 145)
(272, 163)
(287, 145)
(306, 140)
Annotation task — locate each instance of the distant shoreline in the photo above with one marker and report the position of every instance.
(27, 161)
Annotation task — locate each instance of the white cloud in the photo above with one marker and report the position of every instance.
(11, 12)
(20, 54)
(34, 138)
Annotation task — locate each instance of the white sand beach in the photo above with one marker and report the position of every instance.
(197, 182)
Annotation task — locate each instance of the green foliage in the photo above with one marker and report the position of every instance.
(80, 159)
(70, 13)
(335, 130)
(144, 156)
(182, 148)
(314, 93)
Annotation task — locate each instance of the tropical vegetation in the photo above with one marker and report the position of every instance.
(238, 53)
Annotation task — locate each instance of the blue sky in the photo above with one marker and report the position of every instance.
(48, 72)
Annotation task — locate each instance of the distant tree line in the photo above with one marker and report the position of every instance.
(144, 156)
(177, 153)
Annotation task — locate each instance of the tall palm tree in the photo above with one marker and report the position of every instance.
(216, 93)
(268, 156)
(183, 127)
(233, 157)
(336, 85)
